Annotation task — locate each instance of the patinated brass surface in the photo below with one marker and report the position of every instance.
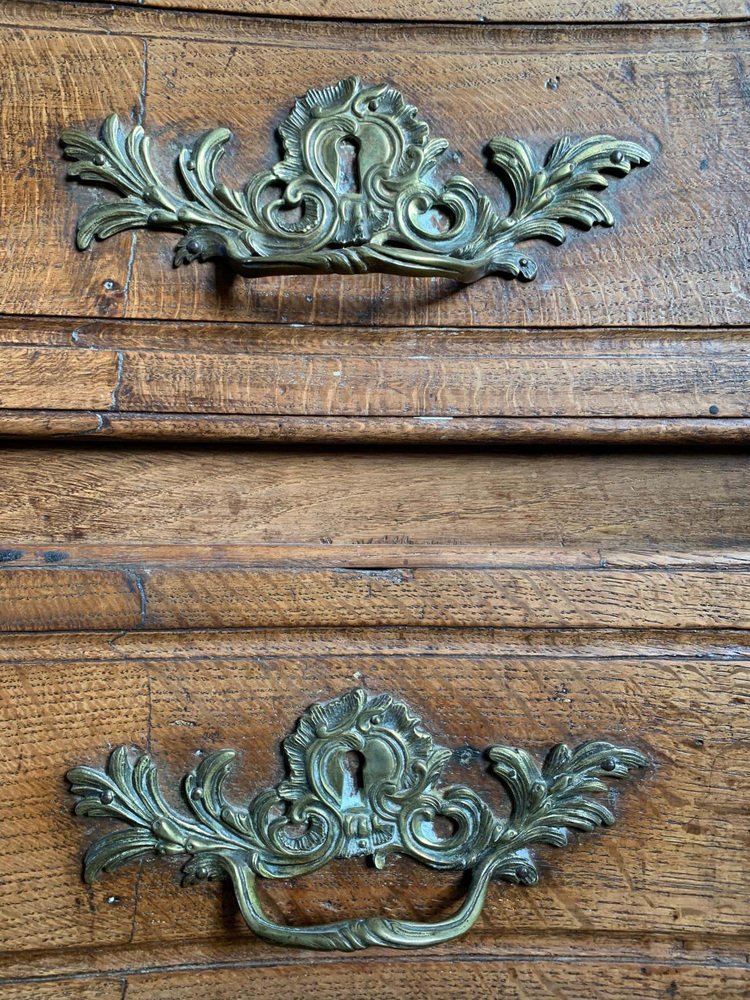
(355, 191)
(325, 809)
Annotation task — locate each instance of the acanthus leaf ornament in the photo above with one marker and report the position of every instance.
(319, 814)
(310, 214)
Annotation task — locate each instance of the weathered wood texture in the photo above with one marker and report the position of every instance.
(98, 989)
(376, 980)
(678, 256)
(428, 431)
(131, 367)
(187, 593)
(673, 866)
(183, 598)
(478, 11)
(679, 499)
(368, 980)
(168, 538)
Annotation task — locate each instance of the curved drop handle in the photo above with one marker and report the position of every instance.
(358, 193)
(324, 811)
(361, 932)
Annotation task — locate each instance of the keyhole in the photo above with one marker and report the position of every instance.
(353, 766)
(348, 181)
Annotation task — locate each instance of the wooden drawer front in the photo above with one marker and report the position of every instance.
(677, 256)
(222, 617)
(521, 508)
(663, 886)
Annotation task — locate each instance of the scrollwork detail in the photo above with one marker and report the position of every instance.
(320, 813)
(305, 215)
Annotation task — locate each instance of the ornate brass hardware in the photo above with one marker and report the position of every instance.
(320, 813)
(383, 210)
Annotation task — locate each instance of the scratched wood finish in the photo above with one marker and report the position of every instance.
(226, 502)
(141, 368)
(685, 265)
(326, 497)
(480, 11)
(190, 592)
(409, 980)
(423, 431)
(672, 866)
(466, 979)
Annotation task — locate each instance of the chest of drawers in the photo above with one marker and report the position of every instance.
(519, 508)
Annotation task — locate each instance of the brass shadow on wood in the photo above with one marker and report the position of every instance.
(355, 191)
(364, 780)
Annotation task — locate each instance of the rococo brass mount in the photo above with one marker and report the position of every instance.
(355, 191)
(324, 810)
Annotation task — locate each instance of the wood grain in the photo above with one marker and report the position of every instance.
(247, 369)
(206, 597)
(92, 599)
(406, 431)
(475, 11)
(50, 80)
(464, 980)
(99, 989)
(684, 99)
(671, 866)
(408, 980)
(247, 515)
(727, 645)
(35, 378)
(685, 500)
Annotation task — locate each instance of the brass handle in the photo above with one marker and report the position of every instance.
(361, 932)
(320, 813)
(358, 193)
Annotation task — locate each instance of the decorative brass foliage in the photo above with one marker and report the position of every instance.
(383, 209)
(386, 804)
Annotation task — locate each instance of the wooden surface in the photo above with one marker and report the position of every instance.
(408, 980)
(673, 865)
(221, 501)
(323, 497)
(188, 592)
(132, 367)
(677, 256)
(476, 11)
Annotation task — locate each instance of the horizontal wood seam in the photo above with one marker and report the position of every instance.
(390, 958)
(422, 431)
(609, 330)
(480, 22)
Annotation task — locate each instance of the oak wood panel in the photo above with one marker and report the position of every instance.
(375, 556)
(459, 387)
(229, 598)
(423, 431)
(48, 80)
(131, 367)
(88, 599)
(316, 496)
(407, 979)
(684, 99)
(155, 22)
(99, 989)
(200, 597)
(238, 587)
(244, 644)
(687, 265)
(34, 378)
(672, 865)
(479, 11)
(463, 980)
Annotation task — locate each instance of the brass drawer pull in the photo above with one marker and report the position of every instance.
(326, 810)
(354, 192)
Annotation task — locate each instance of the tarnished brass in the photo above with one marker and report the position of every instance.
(355, 191)
(383, 801)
